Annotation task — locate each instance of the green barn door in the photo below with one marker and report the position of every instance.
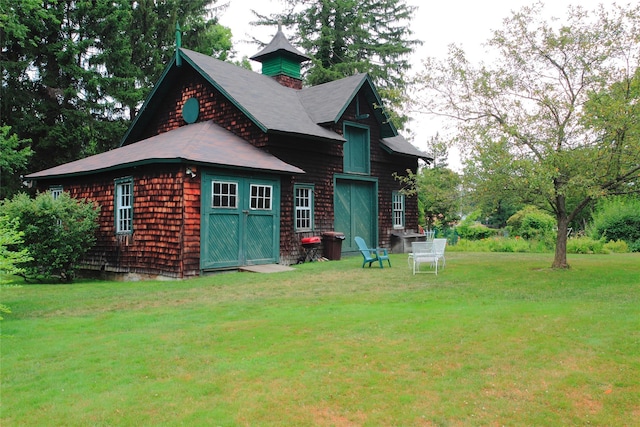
(356, 211)
(240, 222)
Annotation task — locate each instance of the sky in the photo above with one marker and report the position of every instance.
(467, 23)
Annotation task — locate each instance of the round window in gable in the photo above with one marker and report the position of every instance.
(191, 110)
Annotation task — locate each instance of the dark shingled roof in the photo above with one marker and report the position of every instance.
(202, 143)
(399, 145)
(279, 44)
(270, 105)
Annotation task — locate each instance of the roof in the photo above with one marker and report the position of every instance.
(202, 143)
(327, 102)
(279, 44)
(256, 95)
(399, 145)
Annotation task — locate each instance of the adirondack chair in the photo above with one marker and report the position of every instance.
(372, 255)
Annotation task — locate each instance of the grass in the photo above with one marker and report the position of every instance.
(495, 339)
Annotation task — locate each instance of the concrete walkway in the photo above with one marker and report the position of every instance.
(266, 268)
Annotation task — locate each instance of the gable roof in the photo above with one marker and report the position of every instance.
(268, 104)
(273, 107)
(327, 102)
(201, 143)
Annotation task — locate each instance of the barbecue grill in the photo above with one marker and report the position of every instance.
(310, 247)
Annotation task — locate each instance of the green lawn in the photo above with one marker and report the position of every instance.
(495, 339)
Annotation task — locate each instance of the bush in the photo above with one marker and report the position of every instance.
(585, 245)
(617, 247)
(12, 251)
(501, 244)
(469, 228)
(57, 233)
(532, 224)
(617, 219)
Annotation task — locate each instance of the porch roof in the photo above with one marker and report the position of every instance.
(203, 143)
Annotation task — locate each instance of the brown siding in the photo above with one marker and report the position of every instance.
(166, 222)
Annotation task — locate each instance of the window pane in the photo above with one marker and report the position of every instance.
(223, 194)
(398, 210)
(304, 204)
(124, 207)
(260, 197)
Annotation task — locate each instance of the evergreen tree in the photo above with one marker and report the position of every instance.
(74, 72)
(346, 37)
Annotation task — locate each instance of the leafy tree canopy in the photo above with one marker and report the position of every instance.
(553, 119)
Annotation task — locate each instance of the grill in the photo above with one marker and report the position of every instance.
(310, 247)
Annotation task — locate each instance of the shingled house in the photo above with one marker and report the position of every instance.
(224, 167)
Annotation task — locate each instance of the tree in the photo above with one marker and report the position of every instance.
(10, 239)
(438, 193)
(549, 121)
(346, 37)
(14, 155)
(74, 72)
(439, 196)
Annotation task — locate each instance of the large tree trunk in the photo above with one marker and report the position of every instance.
(560, 259)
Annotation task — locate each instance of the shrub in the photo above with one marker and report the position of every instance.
(532, 223)
(12, 252)
(585, 245)
(617, 219)
(501, 244)
(57, 233)
(469, 228)
(617, 247)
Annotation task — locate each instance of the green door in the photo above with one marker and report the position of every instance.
(240, 221)
(356, 211)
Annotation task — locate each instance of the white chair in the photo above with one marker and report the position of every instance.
(424, 252)
(439, 246)
(429, 234)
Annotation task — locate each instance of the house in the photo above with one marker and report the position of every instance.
(225, 167)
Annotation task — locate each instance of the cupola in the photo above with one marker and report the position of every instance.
(282, 61)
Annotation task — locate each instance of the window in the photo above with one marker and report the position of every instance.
(304, 207)
(124, 206)
(398, 210)
(56, 191)
(261, 197)
(224, 195)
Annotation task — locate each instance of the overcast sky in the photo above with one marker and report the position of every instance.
(467, 23)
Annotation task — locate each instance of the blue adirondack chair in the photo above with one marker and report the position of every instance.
(372, 255)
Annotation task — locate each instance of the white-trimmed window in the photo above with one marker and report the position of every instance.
(398, 210)
(304, 207)
(56, 191)
(224, 195)
(261, 197)
(124, 206)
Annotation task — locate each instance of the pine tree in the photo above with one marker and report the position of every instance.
(346, 37)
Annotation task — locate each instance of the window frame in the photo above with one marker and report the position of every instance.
(310, 188)
(119, 208)
(222, 196)
(263, 201)
(398, 207)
